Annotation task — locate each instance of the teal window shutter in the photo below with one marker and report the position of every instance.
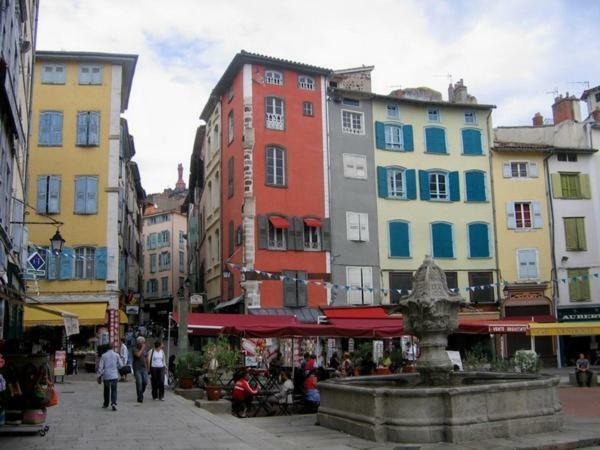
(51, 265)
(399, 237)
(56, 128)
(94, 128)
(66, 264)
(154, 240)
(380, 135)
(100, 263)
(44, 130)
(82, 128)
(382, 189)
(407, 132)
(479, 240)
(42, 195)
(454, 186)
(80, 194)
(471, 140)
(441, 239)
(411, 184)
(424, 185)
(91, 198)
(475, 182)
(435, 140)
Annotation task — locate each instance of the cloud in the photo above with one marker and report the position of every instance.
(509, 53)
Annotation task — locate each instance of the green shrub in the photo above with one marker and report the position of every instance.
(526, 361)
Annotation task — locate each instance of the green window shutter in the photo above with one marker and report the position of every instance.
(411, 184)
(571, 233)
(382, 190)
(399, 239)
(454, 186)
(581, 233)
(407, 133)
(584, 185)
(579, 290)
(380, 135)
(557, 191)
(424, 185)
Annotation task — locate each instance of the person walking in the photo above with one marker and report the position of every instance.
(108, 372)
(140, 367)
(124, 354)
(157, 362)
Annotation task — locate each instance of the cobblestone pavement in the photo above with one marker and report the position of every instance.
(580, 402)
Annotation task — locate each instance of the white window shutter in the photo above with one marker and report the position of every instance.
(364, 227)
(352, 226)
(527, 264)
(367, 282)
(537, 215)
(506, 170)
(511, 220)
(353, 279)
(533, 170)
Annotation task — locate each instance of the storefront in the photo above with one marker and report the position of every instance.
(587, 338)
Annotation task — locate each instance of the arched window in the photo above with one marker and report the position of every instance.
(399, 238)
(306, 82)
(273, 77)
(479, 240)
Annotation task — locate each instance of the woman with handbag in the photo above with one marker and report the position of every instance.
(157, 363)
(124, 354)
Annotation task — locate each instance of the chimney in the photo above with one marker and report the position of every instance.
(596, 114)
(538, 120)
(566, 108)
(458, 93)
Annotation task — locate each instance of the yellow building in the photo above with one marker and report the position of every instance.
(79, 161)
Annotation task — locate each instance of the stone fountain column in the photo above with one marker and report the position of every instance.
(430, 313)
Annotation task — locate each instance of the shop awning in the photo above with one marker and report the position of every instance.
(233, 301)
(312, 223)
(279, 222)
(206, 324)
(88, 314)
(304, 314)
(564, 329)
(492, 326)
(354, 312)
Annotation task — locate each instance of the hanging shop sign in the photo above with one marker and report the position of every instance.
(130, 309)
(578, 314)
(71, 325)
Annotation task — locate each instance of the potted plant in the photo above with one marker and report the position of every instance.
(218, 358)
(187, 364)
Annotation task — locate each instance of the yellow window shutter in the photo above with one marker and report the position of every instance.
(571, 233)
(584, 182)
(556, 186)
(581, 233)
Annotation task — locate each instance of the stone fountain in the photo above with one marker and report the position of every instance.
(437, 404)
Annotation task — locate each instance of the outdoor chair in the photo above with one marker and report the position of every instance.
(285, 408)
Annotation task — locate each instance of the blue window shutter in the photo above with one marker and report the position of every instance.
(91, 199)
(382, 190)
(411, 184)
(100, 263)
(472, 142)
(407, 133)
(82, 128)
(435, 140)
(94, 128)
(54, 194)
(454, 186)
(441, 237)
(56, 129)
(475, 182)
(80, 195)
(42, 195)
(380, 135)
(44, 131)
(51, 265)
(479, 241)
(66, 263)
(424, 185)
(399, 239)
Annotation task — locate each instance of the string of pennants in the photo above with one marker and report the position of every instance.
(384, 291)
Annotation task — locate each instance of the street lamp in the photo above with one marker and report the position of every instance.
(56, 243)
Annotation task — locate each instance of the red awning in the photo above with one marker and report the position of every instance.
(312, 223)
(279, 222)
(355, 312)
(206, 324)
(501, 326)
(367, 328)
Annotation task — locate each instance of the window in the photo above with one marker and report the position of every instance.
(571, 185)
(273, 77)
(51, 125)
(575, 234)
(307, 83)
(181, 261)
(393, 137)
(579, 285)
(90, 74)
(216, 138)
(392, 111)
(479, 240)
(355, 166)
(435, 140)
(274, 113)
(402, 281)
(519, 169)
(307, 109)
(164, 285)
(470, 117)
(523, 215)
(48, 194)
(471, 142)
(152, 287)
(278, 227)
(157, 219)
(230, 174)
(395, 183)
(230, 93)
(399, 239)
(86, 195)
(475, 186)
(438, 186)
(433, 114)
(294, 288)
(357, 226)
(153, 257)
(442, 240)
(88, 128)
(352, 122)
(276, 166)
(452, 280)
(230, 129)
(84, 263)
(53, 74)
(231, 238)
(597, 97)
(360, 279)
(484, 290)
(164, 261)
(181, 239)
(567, 157)
(527, 259)
(350, 102)
(312, 234)
(163, 238)
(151, 241)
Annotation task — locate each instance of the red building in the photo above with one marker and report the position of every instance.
(274, 187)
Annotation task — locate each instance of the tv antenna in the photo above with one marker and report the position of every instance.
(585, 83)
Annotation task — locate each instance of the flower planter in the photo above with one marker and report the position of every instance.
(213, 392)
(186, 382)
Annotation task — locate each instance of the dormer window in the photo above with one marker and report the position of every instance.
(470, 117)
(274, 77)
(433, 114)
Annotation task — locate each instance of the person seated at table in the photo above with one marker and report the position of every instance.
(367, 366)
(313, 398)
(386, 361)
(285, 394)
(275, 365)
(322, 359)
(334, 361)
(347, 366)
(242, 394)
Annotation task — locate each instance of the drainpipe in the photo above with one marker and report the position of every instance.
(490, 156)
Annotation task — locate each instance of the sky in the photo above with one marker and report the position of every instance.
(513, 54)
